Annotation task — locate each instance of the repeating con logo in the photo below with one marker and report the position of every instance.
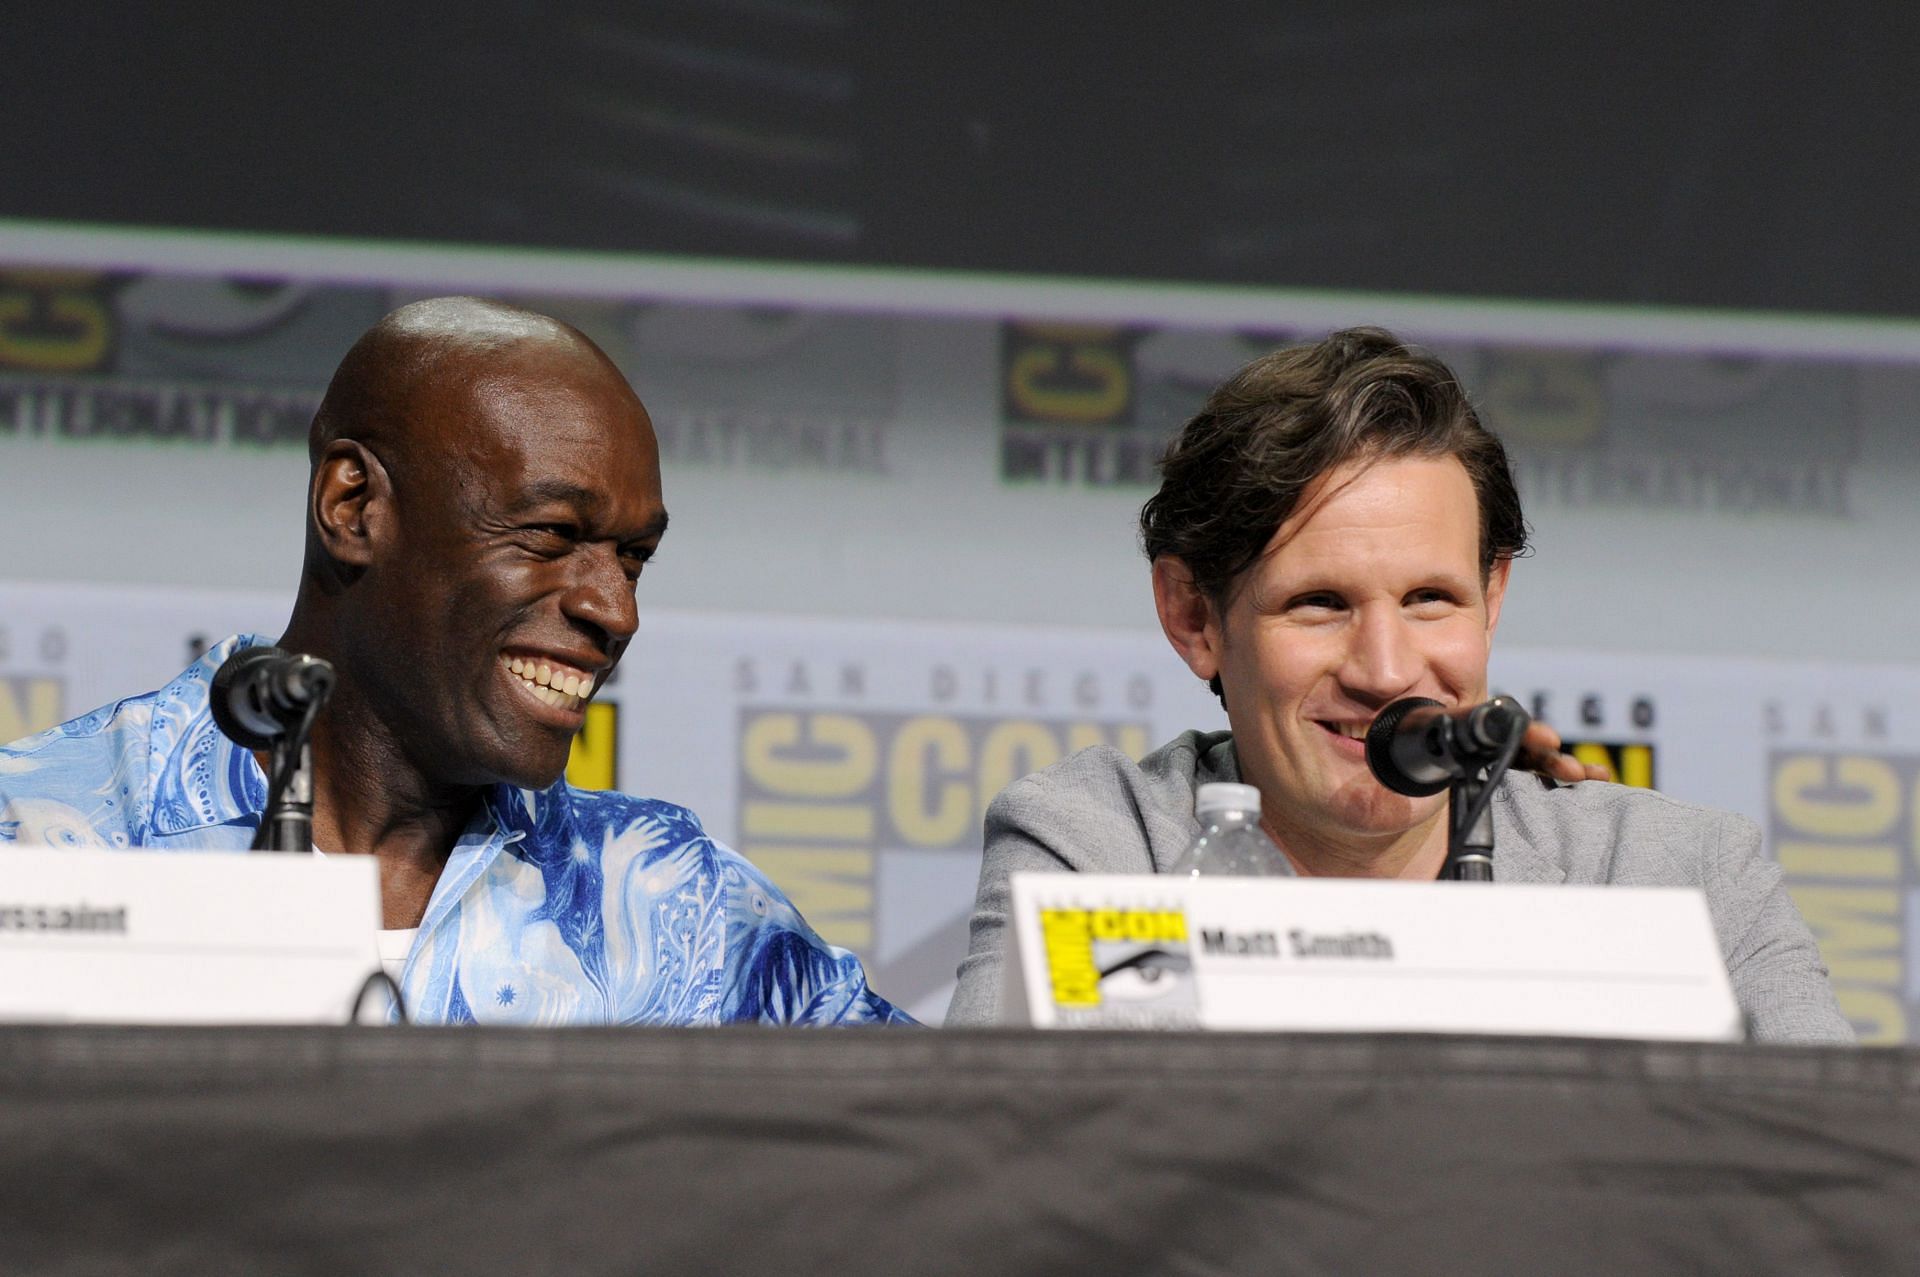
(594, 761)
(1096, 405)
(757, 387)
(179, 359)
(1615, 732)
(30, 703)
(1842, 824)
(1674, 431)
(823, 792)
(33, 696)
(1119, 965)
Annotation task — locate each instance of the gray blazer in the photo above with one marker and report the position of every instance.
(1100, 812)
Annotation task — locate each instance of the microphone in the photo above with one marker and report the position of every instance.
(260, 694)
(1418, 747)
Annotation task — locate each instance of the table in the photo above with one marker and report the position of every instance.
(474, 1151)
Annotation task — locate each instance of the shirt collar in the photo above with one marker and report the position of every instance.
(199, 778)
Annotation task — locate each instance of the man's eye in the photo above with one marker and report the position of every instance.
(1317, 603)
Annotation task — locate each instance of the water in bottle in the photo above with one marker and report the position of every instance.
(1231, 842)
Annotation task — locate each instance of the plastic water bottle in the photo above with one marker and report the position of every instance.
(1231, 842)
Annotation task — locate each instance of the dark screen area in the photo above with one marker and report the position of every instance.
(1715, 154)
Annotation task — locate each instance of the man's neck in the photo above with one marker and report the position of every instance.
(371, 798)
(1418, 853)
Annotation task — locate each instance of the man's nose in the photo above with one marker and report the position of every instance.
(601, 594)
(1382, 661)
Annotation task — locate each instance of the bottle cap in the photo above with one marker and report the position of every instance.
(1220, 796)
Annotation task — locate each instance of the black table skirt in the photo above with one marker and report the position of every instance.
(219, 1151)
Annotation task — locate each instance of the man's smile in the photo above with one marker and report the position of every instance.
(549, 681)
(1348, 737)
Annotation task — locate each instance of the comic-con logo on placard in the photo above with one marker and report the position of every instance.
(824, 792)
(170, 358)
(1133, 964)
(1842, 825)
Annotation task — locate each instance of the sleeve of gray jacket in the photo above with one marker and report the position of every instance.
(1082, 815)
(1778, 976)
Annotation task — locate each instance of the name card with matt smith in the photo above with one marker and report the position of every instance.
(1357, 955)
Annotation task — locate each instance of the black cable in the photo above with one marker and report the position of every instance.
(374, 980)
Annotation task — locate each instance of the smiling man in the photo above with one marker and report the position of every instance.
(485, 495)
(1335, 531)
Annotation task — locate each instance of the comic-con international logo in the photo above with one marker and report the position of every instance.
(170, 358)
(30, 704)
(825, 794)
(1671, 430)
(1132, 963)
(594, 762)
(1096, 404)
(1843, 826)
(1610, 731)
(754, 387)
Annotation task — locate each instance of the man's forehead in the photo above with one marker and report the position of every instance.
(532, 386)
(1418, 483)
(1424, 508)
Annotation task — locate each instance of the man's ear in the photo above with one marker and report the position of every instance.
(1187, 615)
(351, 499)
(1497, 592)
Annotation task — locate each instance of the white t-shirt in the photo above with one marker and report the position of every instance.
(395, 943)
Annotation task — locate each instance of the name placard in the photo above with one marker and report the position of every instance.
(185, 937)
(1357, 955)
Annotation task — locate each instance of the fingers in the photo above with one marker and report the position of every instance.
(1540, 751)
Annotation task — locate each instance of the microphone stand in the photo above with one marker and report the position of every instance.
(1470, 817)
(287, 822)
(1470, 830)
(288, 818)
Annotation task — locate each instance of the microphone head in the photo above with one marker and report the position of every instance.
(1499, 721)
(1380, 749)
(235, 709)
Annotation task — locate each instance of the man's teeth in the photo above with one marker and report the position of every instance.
(560, 688)
(1352, 731)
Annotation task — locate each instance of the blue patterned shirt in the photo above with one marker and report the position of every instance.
(557, 906)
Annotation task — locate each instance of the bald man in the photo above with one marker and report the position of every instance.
(485, 495)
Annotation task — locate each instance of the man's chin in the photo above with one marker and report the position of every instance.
(1384, 814)
(535, 769)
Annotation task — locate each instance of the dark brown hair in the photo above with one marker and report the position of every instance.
(1239, 467)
